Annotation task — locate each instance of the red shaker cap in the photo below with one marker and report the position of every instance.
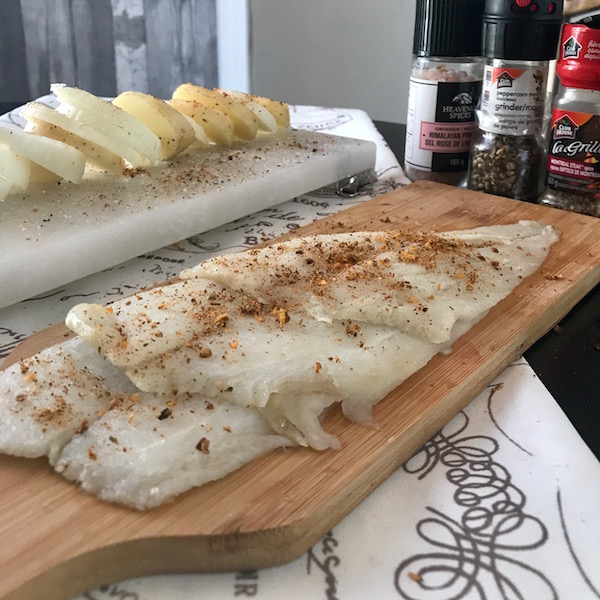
(579, 57)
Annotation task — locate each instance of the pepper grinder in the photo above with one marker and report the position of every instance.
(520, 37)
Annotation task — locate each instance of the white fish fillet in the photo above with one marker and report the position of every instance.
(46, 399)
(388, 279)
(290, 372)
(142, 455)
(295, 327)
(140, 449)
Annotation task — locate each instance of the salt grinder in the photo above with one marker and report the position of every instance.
(445, 84)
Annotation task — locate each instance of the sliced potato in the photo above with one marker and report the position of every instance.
(97, 148)
(201, 137)
(216, 124)
(266, 121)
(58, 157)
(245, 123)
(6, 188)
(171, 127)
(112, 121)
(280, 110)
(40, 175)
(14, 168)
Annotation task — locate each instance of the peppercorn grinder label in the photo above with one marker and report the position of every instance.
(512, 101)
(574, 153)
(440, 124)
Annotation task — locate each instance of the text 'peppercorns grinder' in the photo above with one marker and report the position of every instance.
(520, 38)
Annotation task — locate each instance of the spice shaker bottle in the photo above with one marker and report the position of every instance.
(573, 169)
(445, 85)
(520, 37)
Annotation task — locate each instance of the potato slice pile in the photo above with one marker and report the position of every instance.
(135, 130)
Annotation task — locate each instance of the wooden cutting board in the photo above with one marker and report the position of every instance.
(57, 541)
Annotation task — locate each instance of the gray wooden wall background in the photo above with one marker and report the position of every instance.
(106, 46)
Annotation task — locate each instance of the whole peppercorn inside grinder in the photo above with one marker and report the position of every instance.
(520, 37)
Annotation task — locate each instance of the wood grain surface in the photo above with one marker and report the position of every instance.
(106, 46)
(58, 541)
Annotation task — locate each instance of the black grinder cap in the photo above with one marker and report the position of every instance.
(448, 28)
(522, 29)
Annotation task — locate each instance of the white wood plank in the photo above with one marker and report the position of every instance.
(62, 65)
(175, 52)
(94, 46)
(233, 44)
(131, 68)
(37, 60)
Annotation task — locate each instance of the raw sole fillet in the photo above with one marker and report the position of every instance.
(289, 371)
(143, 455)
(180, 385)
(138, 449)
(422, 283)
(294, 327)
(47, 399)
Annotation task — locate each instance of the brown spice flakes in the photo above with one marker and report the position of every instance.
(250, 306)
(205, 353)
(203, 445)
(352, 329)
(83, 427)
(123, 402)
(30, 376)
(21, 397)
(165, 414)
(282, 316)
(415, 576)
(227, 428)
(338, 261)
(222, 319)
(318, 367)
(58, 414)
(113, 439)
(553, 276)
(91, 454)
(131, 172)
